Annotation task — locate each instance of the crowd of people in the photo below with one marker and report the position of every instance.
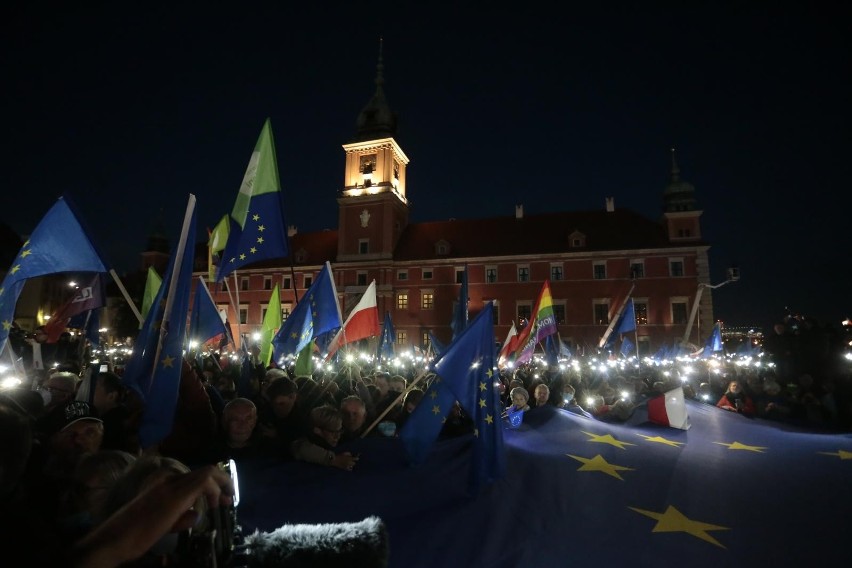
(75, 474)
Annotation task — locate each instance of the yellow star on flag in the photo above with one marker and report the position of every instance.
(738, 446)
(481, 403)
(606, 439)
(661, 440)
(842, 454)
(436, 409)
(7, 325)
(675, 521)
(598, 463)
(489, 373)
(482, 386)
(253, 250)
(168, 361)
(15, 268)
(26, 253)
(261, 228)
(260, 240)
(242, 256)
(433, 394)
(255, 217)
(489, 419)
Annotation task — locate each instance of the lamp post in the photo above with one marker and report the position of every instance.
(733, 276)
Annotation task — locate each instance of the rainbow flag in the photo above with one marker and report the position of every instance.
(542, 324)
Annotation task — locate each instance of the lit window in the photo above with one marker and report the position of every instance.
(402, 301)
(641, 309)
(427, 301)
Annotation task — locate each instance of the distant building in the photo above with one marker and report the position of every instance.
(593, 259)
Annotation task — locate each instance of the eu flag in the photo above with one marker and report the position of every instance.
(627, 320)
(154, 369)
(317, 313)
(460, 315)
(59, 243)
(205, 322)
(468, 368)
(424, 425)
(257, 227)
(387, 340)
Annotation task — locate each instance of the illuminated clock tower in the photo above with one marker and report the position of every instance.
(372, 206)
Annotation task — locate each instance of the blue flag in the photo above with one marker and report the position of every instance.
(468, 368)
(565, 350)
(257, 228)
(460, 315)
(60, 243)
(552, 349)
(154, 368)
(316, 314)
(714, 342)
(627, 320)
(423, 427)
(386, 343)
(205, 323)
(437, 346)
(627, 347)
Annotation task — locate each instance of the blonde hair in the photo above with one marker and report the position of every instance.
(326, 417)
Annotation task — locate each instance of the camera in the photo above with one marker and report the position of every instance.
(219, 542)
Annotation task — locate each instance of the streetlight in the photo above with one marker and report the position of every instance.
(733, 274)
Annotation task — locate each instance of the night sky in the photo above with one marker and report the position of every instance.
(130, 111)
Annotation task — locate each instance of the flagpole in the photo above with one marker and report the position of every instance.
(126, 295)
(398, 399)
(237, 308)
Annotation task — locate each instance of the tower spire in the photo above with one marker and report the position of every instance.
(380, 68)
(675, 169)
(376, 119)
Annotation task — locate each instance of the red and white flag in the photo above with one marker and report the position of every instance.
(363, 322)
(89, 296)
(669, 409)
(510, 344)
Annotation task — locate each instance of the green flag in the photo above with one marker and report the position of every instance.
(215, 244)
(152, 286)
(305, 361)
(271, 323)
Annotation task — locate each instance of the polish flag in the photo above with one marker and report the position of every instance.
(669, 409)
(510, 345)
(363, 322)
